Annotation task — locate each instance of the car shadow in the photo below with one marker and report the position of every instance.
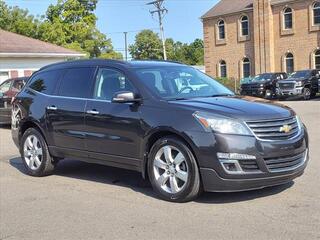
(297, 99)
(232, 197)
(133, 180)
(5, 126)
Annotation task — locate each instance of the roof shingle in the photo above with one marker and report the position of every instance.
(227, 7)
(14, 43)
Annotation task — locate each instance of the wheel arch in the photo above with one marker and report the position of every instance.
(161, 132)
(29, 123)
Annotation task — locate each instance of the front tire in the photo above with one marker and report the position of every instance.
(173, 170)
(306, 93)
(35, 154)
(268, 94)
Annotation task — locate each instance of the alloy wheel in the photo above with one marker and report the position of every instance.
(33, 153)
(170, 169)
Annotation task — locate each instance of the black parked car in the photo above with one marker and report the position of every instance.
(177, 126)
(9, 89)
(262, 85)
(301, 83)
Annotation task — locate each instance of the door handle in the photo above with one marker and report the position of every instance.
(93, 112)
(52, 108)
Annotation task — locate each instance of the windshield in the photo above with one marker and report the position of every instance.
(180, 83)
(262, 77)
(246, 80)
(300, 74)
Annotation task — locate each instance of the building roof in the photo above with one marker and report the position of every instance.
(16, 45)
(225, 7)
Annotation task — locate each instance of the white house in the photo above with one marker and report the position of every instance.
(20, 56)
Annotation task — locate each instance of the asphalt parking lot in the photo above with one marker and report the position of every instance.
(87, 201)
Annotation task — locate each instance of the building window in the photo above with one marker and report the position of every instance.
(221, 30)
(223, 69)
(287, 18)
(4, 76)
(316, 13)
(289, 61)
(244, 21)
(246, 68)
(317, 59)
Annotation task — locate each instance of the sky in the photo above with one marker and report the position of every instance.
(182, 22)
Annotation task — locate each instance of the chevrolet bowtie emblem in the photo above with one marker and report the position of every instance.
(285, 129)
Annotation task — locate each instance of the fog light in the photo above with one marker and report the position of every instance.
(230, 162)
(230, 167)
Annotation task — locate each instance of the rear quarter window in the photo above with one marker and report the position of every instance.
(76, 82)
(45, 82)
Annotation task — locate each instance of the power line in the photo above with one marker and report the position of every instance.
(161, 11)
(133, 31)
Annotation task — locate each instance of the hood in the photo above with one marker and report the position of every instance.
(240, 107)
(255, 83)
(293, 80)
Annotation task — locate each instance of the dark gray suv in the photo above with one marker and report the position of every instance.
(178, 127)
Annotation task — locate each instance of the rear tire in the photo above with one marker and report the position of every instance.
(173, 170)
(35, 154)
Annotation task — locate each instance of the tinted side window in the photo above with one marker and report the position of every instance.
(76, 82)
(5, 87)
(17, 85)
(109, 82)
(45, 82)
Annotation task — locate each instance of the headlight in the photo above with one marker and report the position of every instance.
(261, 85)
(222, 125)
(298, 84)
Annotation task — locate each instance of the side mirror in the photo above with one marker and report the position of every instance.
(125, 97)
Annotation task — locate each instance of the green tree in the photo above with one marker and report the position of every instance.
(76, 22)
(147, 46)
(69, 23)
(17, 20)
(195, 53)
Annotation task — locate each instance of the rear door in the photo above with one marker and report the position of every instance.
(65, 110)
(113, 129)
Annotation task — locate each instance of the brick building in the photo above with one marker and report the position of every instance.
(20, 55)
(248, 37)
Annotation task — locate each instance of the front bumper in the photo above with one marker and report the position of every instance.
(290, 92)
(212, 182)
(258, 92)
(215, 178)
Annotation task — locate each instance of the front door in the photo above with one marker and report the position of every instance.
(113, 129)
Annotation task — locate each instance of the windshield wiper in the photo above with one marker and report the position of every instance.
(222, 95)
(178, 99)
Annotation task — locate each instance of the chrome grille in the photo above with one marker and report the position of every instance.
(286, 85)
(274, 130)
(285, 163)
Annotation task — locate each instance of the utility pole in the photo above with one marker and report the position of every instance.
(126, 45)
(161, 11)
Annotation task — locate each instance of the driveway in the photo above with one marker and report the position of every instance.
(87, 201)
